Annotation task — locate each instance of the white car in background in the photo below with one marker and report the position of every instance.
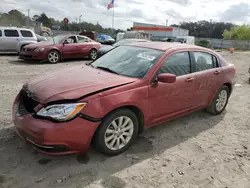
(11, 37)
(185, 39)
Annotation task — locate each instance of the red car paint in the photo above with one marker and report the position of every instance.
(104, 92)
(67, 51)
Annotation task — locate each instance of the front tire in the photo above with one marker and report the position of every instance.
(220, 101)
(117, 132)
(54, 56)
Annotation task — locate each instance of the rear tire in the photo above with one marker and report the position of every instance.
(93, 54)
(220, 101)
(117, 132)
(54, 56)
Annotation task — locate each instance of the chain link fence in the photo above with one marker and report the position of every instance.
(226, 44)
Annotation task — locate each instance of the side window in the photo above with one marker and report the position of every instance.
(26, 33)
(1, 33)
(178, 64)
(11, 33)
(71, 40)
(204, 61)
(82, 39)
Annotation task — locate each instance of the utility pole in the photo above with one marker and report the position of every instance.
(80, 22)
(28, 17)
(209, 30)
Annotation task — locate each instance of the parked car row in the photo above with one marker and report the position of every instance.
(113, 99)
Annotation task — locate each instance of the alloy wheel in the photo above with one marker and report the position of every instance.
(119, 133)
(53, 57)
(93, 54)
(221, 100)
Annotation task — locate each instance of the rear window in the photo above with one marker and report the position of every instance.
(11, 33)
(0, 33)
(26, 33)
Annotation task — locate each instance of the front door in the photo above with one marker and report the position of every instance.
(69, 48)
(11, 39)
(170, 100)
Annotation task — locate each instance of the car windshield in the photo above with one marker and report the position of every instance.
(108, 37)
(56, 39)
(122, 42)
(128, 61)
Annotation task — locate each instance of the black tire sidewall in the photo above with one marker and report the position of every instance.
(90, 54)
(99, 137)
(216, 97)
(57, 54)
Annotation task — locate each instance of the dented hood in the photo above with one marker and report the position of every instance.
(73, 83)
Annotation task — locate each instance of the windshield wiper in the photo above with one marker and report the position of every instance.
(107, 69)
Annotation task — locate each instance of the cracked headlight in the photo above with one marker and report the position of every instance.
(61, 112)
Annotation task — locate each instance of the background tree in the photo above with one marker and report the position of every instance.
(205, 29)
(237, 33)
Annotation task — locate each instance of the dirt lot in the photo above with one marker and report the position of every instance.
(196, 151)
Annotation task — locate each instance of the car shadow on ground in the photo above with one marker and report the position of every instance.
(33, 62)
(8, 54)
(21, 166)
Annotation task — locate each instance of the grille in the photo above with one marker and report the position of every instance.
(26, 104)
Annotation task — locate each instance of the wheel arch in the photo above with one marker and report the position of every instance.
(54, 49)
(136, 110)
(229, 85)
(93, 48)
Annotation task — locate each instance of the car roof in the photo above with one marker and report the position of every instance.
(18, 28)
(134, 39)
(163, 46)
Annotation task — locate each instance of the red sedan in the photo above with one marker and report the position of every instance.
(112, 100)
(61, 47)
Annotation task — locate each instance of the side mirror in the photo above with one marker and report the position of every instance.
(65, 42)
(166, 78)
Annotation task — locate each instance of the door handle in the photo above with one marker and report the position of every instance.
(217, 72)
(189, 79)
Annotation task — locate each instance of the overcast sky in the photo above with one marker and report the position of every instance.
(127, 11)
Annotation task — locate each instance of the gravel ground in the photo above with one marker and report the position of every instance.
(195, 151)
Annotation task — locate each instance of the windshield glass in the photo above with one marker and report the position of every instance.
(128, 61)
(108, 37)
(55, 40)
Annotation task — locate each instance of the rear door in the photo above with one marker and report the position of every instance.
(208, 74)
(83, 46)
(27, 35)
(169, 100)
(11, 39)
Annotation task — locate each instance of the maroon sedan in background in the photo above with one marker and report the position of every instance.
(61, 47)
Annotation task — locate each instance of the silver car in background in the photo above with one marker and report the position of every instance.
(23, 43)
(12, 37)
